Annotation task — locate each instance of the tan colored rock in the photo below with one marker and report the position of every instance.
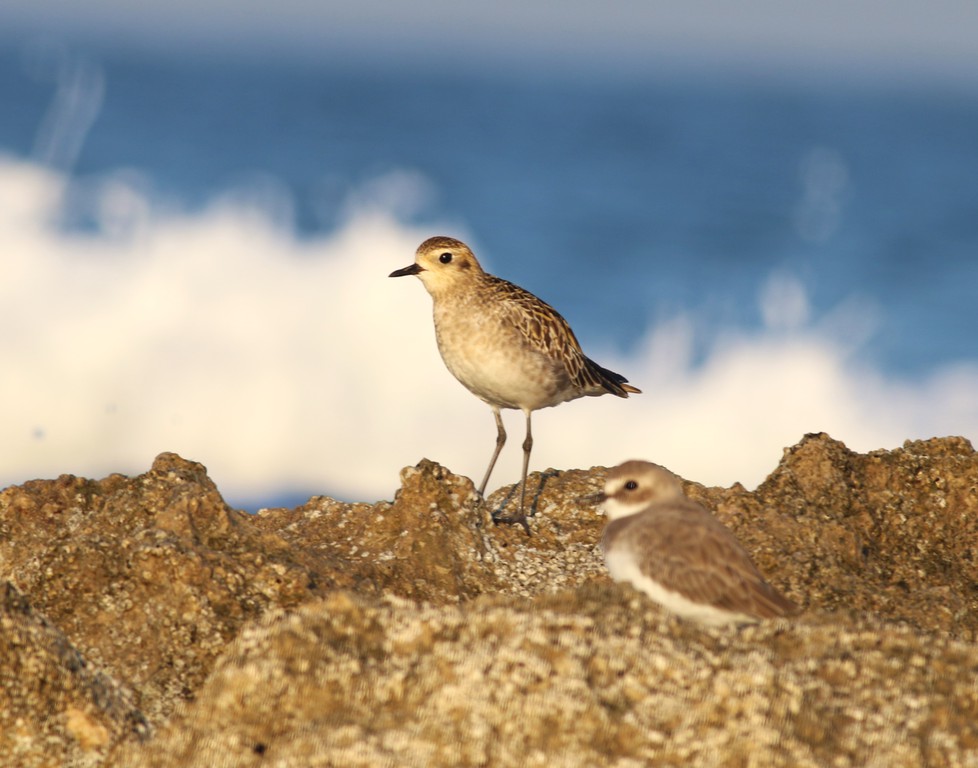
(415, 632)
(56, 709)
(586, 677)
(148, 577)
(429, 544)
(890, 533)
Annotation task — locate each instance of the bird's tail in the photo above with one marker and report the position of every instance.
(613, 382)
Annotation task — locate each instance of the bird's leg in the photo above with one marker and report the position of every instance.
(521, 517)
(527, 447)
(500, 442)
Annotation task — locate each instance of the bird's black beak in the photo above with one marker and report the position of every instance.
(412, 270)
(592, 499)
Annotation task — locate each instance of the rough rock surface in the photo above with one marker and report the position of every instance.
(145, 623)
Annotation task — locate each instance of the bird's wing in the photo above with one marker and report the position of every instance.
(545, 330)
(683, 545)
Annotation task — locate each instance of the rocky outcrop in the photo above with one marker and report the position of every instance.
(145, 623)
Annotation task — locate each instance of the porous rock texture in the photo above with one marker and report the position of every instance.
(145, 623)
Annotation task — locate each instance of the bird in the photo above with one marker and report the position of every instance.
(676, 552)
(506, 346)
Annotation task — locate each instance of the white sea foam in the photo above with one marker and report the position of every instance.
(285, 363)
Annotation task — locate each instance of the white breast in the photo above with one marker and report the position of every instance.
(623, 567)
(492, 361)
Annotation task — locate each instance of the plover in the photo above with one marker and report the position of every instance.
(506, 346)
(680, 555)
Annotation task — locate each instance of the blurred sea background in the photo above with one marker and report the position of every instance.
(765, 216)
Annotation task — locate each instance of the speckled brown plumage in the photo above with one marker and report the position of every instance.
(546, 330)
(505, 345)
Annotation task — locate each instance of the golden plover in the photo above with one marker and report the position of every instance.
(506, 346)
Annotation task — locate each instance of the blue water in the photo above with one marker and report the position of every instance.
(619, 201)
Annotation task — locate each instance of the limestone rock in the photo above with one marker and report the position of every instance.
(150, 577)
(583, 678)
(54, 704)
(889, 533)
(429, 544)
(145, 623)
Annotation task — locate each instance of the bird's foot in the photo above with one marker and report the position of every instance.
(511, 519)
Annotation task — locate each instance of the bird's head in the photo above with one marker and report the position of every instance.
(442, 264)
(631, 487)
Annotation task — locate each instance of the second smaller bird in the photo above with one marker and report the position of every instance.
(507, 347)
(680, 555)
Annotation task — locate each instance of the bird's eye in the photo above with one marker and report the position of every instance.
(631, 485)
(445, 257)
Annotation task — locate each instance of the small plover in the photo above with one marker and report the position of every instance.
(680, 555)
(506, 346)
